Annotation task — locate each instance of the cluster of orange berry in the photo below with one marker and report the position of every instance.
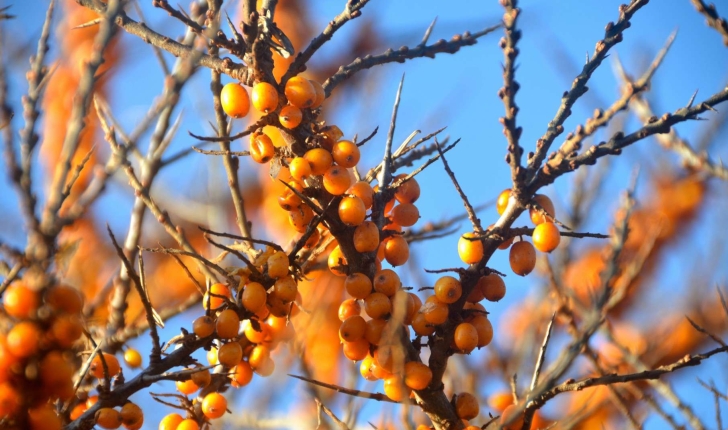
(36, 363)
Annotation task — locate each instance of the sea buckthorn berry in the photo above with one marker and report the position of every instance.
(358, 285)
(349, 308)
(356, 350)
(330, 135)
(448, 289)
(511, 413)
(337, 261)
(476, 295)
(300, 218)
(216, 296)
(186, 387)
(264, 97)
(470, 248)
(66, 329)
(230, 354)
(337, 180)
(386, 282)
(484, 328)
(366, 237)
(97, 368)
(300, 168)
(66, 299)
(214, 405)
(286, 288)
(547, 205)
(320, 160)
(78, 410)
(466, 337)
(92, 400)
(546, 237)
(396, 250)
(365, 368)
(131, 415)
(261, 148)
(170, 422)
(352, 211)
(212, 356)
(133, 358)
(278, 265)
(188, 424)
(108, 418)
(417, 376)
(375, 327)
(288, 200)
(300, 92)
(492, 286)
(466, 406)
(202, 378)
(435, 311)
(313, 240)
(242, 374)
(265, 368)
(254, 297)
(258, 355)
(203, 326)
(234, 100)
(522, 258)
(44, 417)
(290, 117)
(258, 335)
(55, 370)
(377, 305)
(405, 214)
(407, 192)
(346, 153)
(9, 400)
(277, 306)
(353, 328)
(20, 301)
(502, 202)
(408, 300)
(320, 93)
(395, 388)
(364, 191)
(228, 323)
(280, 328)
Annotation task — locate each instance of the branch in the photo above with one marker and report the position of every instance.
(712, 18)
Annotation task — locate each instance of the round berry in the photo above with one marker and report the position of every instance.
(546, 237)
(290, 116)
(396, 250)
(547, 205)
(470, 248)
(300, 92)
(466, 337)
(364, 191)
(320, 93)
(502, 202)
(346, 153)
(171, 421)
(522, 258)
(217, 295)
(108, 418)
(492, 286)
(230, 354)
(264, 97)
(214, 405)
(358, 285)
(405, 214)
(234, 100)
(133, 358)
(227, 324)
(20, 301)
(448, 289)
(377, 305)
(320, 160)
(466, 406)
(261, 148)
(417, 376)
(300, 169)
(337, 180)
(366, 237)
(409, 191)
(352, 211)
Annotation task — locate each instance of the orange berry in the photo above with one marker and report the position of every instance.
(214, 405)
(396, 250)
(131, 415)
(66, 329)
(242, 374)
(364, 191)
(234, 100)
(346, 153)
(349, 308)
(188, 424)
(290, 117)
(44, 417)
(377, 305)
(320, 93)
(171, 421)
(395, 388)
(417, 376)
(500, 401)
(230, 354)
(466, 406)
(97, 368)
(228, 323)
(278, 265)
(405, 214)
(546, 237)
(320, 160)
(300, 92)
(502, 202)
(469, 250)
(186, 387)
(476, 295)
(522, 258)
(286, 288)
(66, 299)
(547, 205)
(258, 356)
(300, 169)
(288, 200)
(300, 218)
(386, 282)
(337, 261)
(132, 358)
(358, 285)
(265, 368)
(466, 337)
(374, 330)
(108, 418)
(280, 328)
(22, 339)
(484, 328)
(9, 400)
(20, 301)
(91, 400)
(435, 311)
(203, 326)
(352, 211)
(254, 335)
(510, 414)
(216, 296)
(202, 378)
(337, 180)
(78, 410)
(352, 328)
(409, 191)
(313, 240)
(356, 350)
(366, 237)
(448, 289)
(492, 286)
(254, 297)
(264, 97)
(261, 148)
(365, 368)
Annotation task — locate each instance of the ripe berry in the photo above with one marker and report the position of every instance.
(44, 417)
(386, 282)
(365, 368)
(546, 237)
(396, 250)
(132, 416)
(522, 258)
(170, 422)
(358, 285)
(300, 218)
(286, 288)
(510, 414)
(79, 409)
(409, 191)
(395, 388)
(20, 301)
(214, 405)
(356, 350)
(254, 297)
(470, 248)
(435, 311)
(448, 289)
(288, 200)
(216, 295)
(188, 424)
(186, 387)
(320, 93)
(242, 374)
(374, 330)
(377, 305)
(278, 265)
(466, 337)
(261, 148)
(349, 308)
(405, 214)
(264, 97)
(234, 100)
(63, 298)
(364, 191)
(265, 368)
(320, 160)
(484, 328)
(346, 153)
(337, 180)
(258, 356)
(492, 286)
(227, 324)
(337, 261)
(133, 358)
(417, 376)
(230, 354)
(202, 378)
(259, 335)
(66, 329)
(352, 328)
(108, 418)
(502, 202)
(203, 326)
(300, 169)
(366, 237)
(547, 205)
(97, 368)
(9, 400)
(300, 92)
(466, 406)
(290, 117)
(352, 211)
